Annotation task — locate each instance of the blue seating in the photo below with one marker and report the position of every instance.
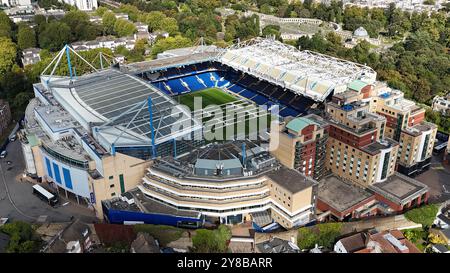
(176, 86)
(259, 91)
(193, 83)
(206, 77)
(260, 99)
(289, 112)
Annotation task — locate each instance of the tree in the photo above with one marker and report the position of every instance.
(81, 28)
(124, 28)
(154, 20)
(26, 37)
(270, 30)
(100, 11)
(5, 25)
(170, 25)
(170, 43)
(108, 21)
(211, 241)
(8, 52)
(55, 36)
(22, 237)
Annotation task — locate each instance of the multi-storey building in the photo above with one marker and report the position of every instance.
(405, 123)
(360, 154)
(400, 113)
(82, 4)
(356, 150)
(222, 186)
(300, 144)
(416, 148)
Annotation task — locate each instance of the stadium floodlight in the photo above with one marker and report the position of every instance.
(57, 61)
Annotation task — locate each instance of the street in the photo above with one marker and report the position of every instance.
(25, 205)
(438, 179)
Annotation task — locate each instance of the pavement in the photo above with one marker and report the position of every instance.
(437, 178)
(17, 201)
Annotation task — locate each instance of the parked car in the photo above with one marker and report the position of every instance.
(3, 154)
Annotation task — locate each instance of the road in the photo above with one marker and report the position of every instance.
(17, 201)
(438, 179)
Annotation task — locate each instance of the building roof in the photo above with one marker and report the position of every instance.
(298, 124)
(277, 245)
(341, 195)
(357, 85)
(441, 248)
(291, 180)
(360, 32)
(144, 243)
(399, 188)
(354, 242)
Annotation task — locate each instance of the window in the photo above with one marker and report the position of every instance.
(113, 194)
(111, 177)
(111, 186)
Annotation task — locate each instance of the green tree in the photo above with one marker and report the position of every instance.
(124, 28)
(101, 10)
(154, 20)
(55, 36)
(170, 25)
(108, 21)
(211, 241)
(8, 53)
(81, 28)
(170, 43)
(22, 237)
(270, 30)
(5, 25)
(26, 37)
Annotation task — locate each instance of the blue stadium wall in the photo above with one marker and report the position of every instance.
(119, 217)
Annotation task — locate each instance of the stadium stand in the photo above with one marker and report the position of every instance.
(191, 78)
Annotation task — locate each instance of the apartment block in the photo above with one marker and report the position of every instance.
(300, 143)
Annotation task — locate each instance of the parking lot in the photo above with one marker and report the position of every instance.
(17, 201)
(438, 179)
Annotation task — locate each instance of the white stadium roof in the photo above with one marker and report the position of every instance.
(304, 72)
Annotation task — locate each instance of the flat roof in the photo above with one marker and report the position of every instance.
(357, 85)
(339, 194)
(376, 147)
(399, 188)
(292, 180)
(298, 124)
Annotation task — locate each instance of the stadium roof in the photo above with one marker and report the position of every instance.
(304, 72)
(116, 103)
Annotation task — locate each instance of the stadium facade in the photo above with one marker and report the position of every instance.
(120, 142)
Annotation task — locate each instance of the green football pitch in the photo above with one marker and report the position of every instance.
(209, 96)
(216, 96)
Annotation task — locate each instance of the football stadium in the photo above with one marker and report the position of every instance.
(141, 130)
